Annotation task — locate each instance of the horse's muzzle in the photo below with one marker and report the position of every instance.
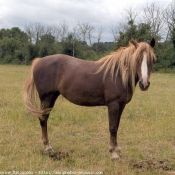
(142, 86)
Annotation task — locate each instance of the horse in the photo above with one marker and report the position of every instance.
(109, 81)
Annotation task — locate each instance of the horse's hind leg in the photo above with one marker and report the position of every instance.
(43, 123)
(47, 102)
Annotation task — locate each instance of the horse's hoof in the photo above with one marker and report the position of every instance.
(49, 150)
(115, 156)
(118, 149)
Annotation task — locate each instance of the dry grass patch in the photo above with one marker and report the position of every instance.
(146, 133)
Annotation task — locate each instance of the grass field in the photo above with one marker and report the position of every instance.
(146, 133)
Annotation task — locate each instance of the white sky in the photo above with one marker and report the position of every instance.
(105, 13)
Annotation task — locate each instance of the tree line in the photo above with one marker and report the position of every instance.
(85, 41)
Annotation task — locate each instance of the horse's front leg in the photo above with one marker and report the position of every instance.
(115, 110)
(43, 123)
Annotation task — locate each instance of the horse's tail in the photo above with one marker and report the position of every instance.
(30, 94)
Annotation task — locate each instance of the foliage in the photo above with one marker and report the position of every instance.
(12, 45)
(173, 37)
(16, 46)
(165, 53)
(103, 47)
(127, 34)
(140, 32)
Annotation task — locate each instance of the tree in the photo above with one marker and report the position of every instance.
(83, 28)
(125, 29)
(172, 37)
(13, 43)
(99, 36)
(34, 32)
(86, 31)
(32, 52)
(64, 30)
(165, 56)
(47, 38)
(143, 32)
(153, 16)
(169, 17)
(91, 29)
(69, 45)
(115, 32)
(46, 45)
(103, 47)
(41, 41)
(125, 36)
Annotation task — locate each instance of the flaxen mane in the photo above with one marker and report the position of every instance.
(125, 60)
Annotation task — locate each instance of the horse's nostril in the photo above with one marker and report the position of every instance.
(140, 83)
(144, 87)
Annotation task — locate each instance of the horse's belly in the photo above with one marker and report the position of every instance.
(85, 99)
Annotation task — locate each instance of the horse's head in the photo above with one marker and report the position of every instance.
(145, 59)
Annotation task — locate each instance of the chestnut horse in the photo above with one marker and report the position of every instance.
(110, 82)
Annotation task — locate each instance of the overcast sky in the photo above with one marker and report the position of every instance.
(105, 13)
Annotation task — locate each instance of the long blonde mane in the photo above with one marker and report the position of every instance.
(125, 60)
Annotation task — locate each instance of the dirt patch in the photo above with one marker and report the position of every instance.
(60, 155)
(165, 165)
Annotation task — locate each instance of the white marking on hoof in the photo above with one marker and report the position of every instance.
(49, 148)
(118, 149)
(115, 156)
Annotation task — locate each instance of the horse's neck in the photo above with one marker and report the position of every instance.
(129, 87)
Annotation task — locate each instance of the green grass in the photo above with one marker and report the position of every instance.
(146, 133)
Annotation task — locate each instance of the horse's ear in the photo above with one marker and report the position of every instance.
(152, 43)
(134, 42)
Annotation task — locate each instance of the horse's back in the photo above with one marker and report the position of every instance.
(62, 62)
